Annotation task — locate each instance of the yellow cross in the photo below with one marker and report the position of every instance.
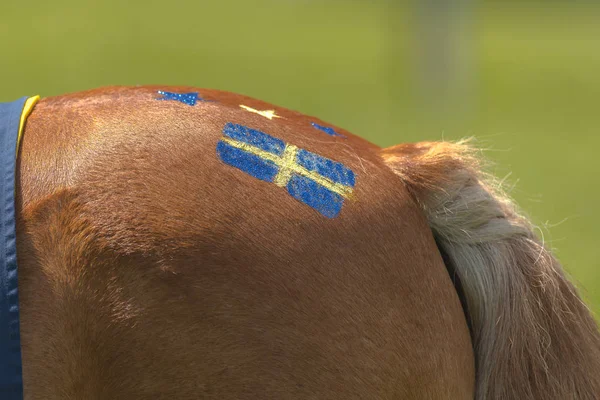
(270, 114)
(288, 166)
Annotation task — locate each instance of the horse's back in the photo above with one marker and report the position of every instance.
(159, 261)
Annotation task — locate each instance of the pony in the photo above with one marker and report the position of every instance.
(163, 255)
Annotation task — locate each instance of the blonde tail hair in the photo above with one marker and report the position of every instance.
(533, 336)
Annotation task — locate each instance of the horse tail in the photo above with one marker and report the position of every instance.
(533, 336)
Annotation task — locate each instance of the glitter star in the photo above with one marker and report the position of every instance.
(327, 130)
(270, 114)
(186, 98)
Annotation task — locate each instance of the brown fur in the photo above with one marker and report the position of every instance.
(149, 269)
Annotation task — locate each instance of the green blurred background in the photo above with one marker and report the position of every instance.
(523, 77)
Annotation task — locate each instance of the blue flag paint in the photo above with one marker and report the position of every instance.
(316, 181)
(327, 130)
(186, 98)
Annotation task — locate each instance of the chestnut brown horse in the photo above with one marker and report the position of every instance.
(171, 246)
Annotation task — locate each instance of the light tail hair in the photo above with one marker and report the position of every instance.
(533, 336)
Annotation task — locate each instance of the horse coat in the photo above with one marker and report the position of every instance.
(182, 243)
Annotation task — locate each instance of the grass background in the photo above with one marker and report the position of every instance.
(531, 93)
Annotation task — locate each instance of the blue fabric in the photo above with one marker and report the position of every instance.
(254, 165)
(333, 170)
(255, 138)
(11, 379)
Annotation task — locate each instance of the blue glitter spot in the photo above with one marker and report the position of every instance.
(327, 130)
(335, 171)
(254, 138)
(316, 196)
(252, 164)
(186, 98)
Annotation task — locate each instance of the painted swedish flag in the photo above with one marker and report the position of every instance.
(319, 182)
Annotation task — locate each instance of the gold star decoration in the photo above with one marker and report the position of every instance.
(270, 114)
